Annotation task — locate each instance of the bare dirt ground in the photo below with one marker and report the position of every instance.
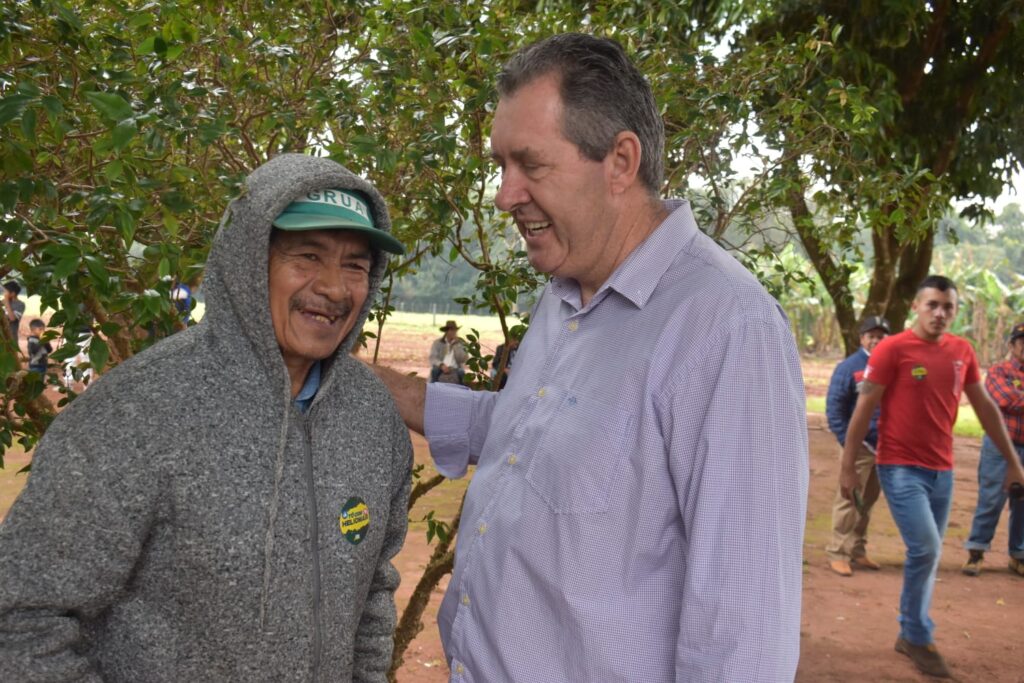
(849, 624)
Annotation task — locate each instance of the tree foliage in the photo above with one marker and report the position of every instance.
(944, 80)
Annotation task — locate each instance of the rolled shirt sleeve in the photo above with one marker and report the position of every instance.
(456, 423)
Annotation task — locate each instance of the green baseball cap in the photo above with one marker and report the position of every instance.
(336, 209)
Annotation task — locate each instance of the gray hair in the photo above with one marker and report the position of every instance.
(603, 94)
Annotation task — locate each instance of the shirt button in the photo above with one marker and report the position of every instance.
(574, 325)
(512, 459)
(459, 669)
(482, 528)
(465, 600)
(542, 392)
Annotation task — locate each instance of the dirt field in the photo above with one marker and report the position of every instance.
(849, 625)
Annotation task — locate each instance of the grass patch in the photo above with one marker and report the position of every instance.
(487, 325)
(966, 421)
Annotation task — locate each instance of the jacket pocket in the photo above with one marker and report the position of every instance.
(578, 452)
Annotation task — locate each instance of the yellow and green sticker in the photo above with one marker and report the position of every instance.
(919, 372)
(354, 519)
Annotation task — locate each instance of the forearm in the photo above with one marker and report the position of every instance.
(858, 429)
(408, 392)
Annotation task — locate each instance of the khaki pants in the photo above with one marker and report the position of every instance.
(850, 527)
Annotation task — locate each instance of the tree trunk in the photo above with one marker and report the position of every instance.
(834, 276)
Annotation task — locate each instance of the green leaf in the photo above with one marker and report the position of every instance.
(65, 267)
(148, 46)
(11, 107)
(164, 269)
(170, 223)
(110, 329)
(68, 16)
(141, 19)
(123, 133)
(110, 105)
(113, 170)
(8, 362)
(52, 105)
(28, 125)
(99, 353)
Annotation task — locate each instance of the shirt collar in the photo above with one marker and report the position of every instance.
(638, 275)
(309, 388)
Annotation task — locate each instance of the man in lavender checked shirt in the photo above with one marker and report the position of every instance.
(637, 509)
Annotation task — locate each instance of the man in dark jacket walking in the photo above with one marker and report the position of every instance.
(850, 518)
(224, 506)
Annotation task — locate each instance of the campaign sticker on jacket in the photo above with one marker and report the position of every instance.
(354, 519)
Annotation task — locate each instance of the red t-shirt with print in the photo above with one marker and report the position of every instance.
(923, 382)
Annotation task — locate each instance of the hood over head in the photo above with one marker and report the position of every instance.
(236, 280)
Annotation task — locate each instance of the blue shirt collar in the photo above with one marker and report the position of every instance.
(309, 389)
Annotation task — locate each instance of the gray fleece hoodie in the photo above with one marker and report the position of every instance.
(184, 522)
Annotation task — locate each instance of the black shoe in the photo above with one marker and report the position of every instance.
(925, 657)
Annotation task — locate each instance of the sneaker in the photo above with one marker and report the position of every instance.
(925, 657)
(1017, 566)
(972, 567)
(841, 567)
(865, 562)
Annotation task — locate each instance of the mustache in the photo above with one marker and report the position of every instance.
(333, 309)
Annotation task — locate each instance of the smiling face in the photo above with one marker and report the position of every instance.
(561, 201)
(869, 340)
(318, 281)
(935, 312)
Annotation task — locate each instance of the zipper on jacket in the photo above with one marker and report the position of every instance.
(314, 535)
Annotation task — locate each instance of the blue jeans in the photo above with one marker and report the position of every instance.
(919, 500)
(991, 499)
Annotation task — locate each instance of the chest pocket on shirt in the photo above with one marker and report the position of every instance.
(578, 452)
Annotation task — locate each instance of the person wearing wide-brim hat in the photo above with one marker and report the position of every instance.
(448, 354)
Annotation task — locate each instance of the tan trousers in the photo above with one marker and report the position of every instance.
(850, 527)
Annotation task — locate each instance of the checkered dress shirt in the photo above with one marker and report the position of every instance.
(637, 510)
(1005, 384)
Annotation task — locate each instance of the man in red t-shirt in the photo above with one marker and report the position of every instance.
(918, 377)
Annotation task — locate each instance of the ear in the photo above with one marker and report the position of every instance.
(623, 162)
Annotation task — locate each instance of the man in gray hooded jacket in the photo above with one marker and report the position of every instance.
(224, 506)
